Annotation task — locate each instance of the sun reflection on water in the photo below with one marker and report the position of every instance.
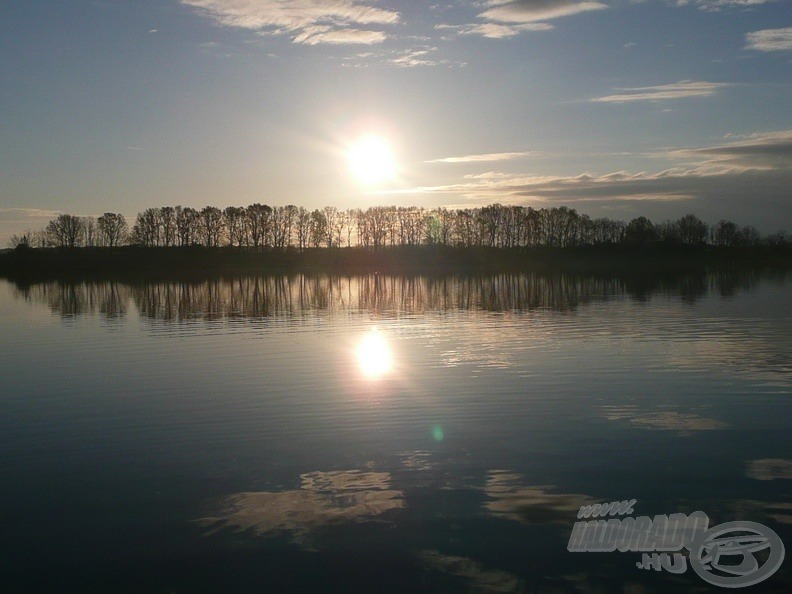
(374, 355)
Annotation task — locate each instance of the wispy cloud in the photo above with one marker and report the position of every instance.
(679, 90)
(531, 11)
(309, 22)
(759, 151)
(508, 18)
(415, 57)
(721, 179)
(716, 5)
(27, 215)
(770, 40)
(485, 157)
(586, 187)
(327, 35)
(420, 56)
(18, 220)
(495, 30)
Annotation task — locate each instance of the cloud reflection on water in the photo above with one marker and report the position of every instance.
(669, 420)
(323, 498)
(511, 499)
(768, 469)
(478, 578)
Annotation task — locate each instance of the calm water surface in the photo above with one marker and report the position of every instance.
(377, 434)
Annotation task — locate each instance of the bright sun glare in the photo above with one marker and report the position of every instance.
(371, 160)
(374, 355)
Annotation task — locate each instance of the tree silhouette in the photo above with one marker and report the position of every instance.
(66, 230)
(113, 229)
(282, 227)
(640, 231)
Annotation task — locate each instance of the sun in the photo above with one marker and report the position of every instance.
(371, 160)
(374, 355)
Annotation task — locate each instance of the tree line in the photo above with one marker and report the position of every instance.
(261, 226)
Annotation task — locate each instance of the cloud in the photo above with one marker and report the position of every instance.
(508, 18)
(18, 220)
(745, 179)
(716, 5)
(310, 22)
(420, 56)
(530, 11)
(17, 215)
(679, 90)
(317, 35)
(485, 157)
(770, 40)
(512, 188)
(764, 151)
(496, 30)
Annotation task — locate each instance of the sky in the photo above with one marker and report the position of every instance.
(617, 108)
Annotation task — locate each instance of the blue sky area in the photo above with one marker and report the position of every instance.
(616, 108)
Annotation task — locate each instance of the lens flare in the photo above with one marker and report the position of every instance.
(374, 355)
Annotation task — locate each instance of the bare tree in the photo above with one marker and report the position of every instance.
(283, 218)
(167, 220)
(303, 227)
(66, 230)
(640, 231)
(210, 225)
(22, 241)
(259, 223)
(147, 230)
(186, 225)
(113, 229)
(90, 232)
(692, 230)
(318, 228)
(236, 225)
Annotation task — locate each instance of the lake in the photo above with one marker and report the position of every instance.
(385, 434)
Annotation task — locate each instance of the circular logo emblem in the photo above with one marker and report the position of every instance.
(724, 554)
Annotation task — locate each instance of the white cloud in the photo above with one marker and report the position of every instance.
(530, 11)
(508, 18)
(412, 58)
(485, 157)
(715, 5)
(418, 56)
(496, 30)
(317, 35)
(678, 90)
(17, 215)
(770, 40)
(307, 21)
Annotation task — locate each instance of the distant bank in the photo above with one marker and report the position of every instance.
(173, 262)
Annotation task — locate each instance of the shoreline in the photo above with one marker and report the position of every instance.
(194, 261)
